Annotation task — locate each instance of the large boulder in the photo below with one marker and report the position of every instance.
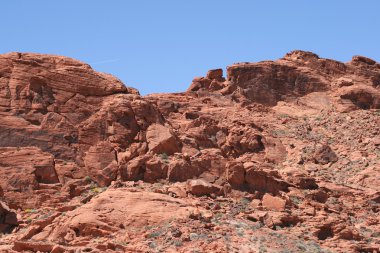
(181, 170)
(134, 169)
(8, 218)
(100, 160)
(235, 173)
(358, 60)
(362, 97)
(199, 187)
(273, 203)
(161, 140)
(324, 155)
(265, 180)
(243, 140)
(156, 168)
(214, 80)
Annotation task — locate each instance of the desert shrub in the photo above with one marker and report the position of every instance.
(88, 179)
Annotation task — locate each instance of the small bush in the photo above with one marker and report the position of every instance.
(177, 243)
(152, 245)
(194, 236)
(30, 210)
(283, 116)
(164, 157)
(98, 190)
(88, 179)
(155, 234)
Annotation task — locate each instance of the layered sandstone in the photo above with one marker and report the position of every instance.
(277, 155)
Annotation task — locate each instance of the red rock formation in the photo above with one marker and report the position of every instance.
(8, 218)
(283, 150)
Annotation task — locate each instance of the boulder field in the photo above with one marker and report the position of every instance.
(276, 156)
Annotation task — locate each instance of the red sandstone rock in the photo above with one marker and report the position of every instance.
(324, 154)
(8, 218)
(20, 246)
(357, 59)
(235, 174)
(156, 168)
(216, 74)
(181, 170)
(161, 140)
(265, 180)
(199, 187)
(89, 163)
(273, 203)
(134, 169)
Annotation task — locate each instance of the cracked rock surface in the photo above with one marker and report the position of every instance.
(278, 156)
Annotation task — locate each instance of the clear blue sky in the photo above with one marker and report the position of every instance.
(159, 46)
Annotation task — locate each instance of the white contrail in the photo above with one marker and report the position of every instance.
(105, 61)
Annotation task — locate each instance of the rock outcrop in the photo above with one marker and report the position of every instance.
(8, 218)
(278, 155)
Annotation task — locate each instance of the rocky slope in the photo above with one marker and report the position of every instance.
(279, 156)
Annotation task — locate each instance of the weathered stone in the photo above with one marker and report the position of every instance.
(324, 154)
(161, 140)
(281, 219)
(67, 132)
(100, 161)
(273, 203)
(134, 169)
(22, 246)
(200, 187)
(181, 170)
(235, 174)
(8, 218)
(215, 74)
(265, 180)
(357, 59)
(156, 168)
(179, 189)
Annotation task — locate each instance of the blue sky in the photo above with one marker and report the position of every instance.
(160, 46)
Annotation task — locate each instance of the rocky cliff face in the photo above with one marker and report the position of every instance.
(278, 156)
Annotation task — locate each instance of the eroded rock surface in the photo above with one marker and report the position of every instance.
(276, 156)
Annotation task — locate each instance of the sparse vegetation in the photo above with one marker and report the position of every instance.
(156, 233)
(152, 245)
(283, 116)
(177, 242)
(164, 157)
(295, 200)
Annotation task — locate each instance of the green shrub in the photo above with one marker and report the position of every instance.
(30, 210)
(177, 243)
(164, 157)
(152, 245)
(155, 234)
